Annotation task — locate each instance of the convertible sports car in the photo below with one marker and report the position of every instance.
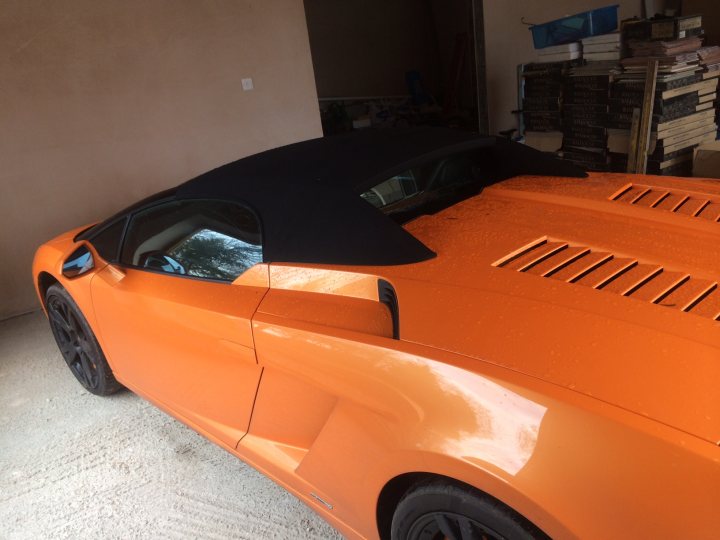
(421, 333)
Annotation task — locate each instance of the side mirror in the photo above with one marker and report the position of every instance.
(78, 263)
(157, 260)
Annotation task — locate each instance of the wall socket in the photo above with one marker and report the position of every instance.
(247, 84)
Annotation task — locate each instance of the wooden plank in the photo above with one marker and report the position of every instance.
(634, 131)
(646, 117)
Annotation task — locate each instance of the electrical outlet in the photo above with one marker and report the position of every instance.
(247, 84)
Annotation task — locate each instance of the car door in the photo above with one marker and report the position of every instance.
(175, 313)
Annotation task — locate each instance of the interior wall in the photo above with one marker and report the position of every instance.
(105, 102)
(364, 47)
(710, 10)
(508, 42)
(453, 17)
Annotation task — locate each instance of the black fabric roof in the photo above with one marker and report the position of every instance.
(307, 194)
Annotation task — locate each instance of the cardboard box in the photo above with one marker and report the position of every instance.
(706, 161)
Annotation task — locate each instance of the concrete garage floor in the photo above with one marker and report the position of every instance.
(73, 465)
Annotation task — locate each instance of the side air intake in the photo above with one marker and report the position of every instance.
(387, 296)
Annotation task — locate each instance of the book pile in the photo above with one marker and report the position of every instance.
(683, 112)
(586, 94)
(602, 48)
(559, 53)
(710, 62)
(542, 92)
(585, 108)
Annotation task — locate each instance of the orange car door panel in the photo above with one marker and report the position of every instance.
(184, 342)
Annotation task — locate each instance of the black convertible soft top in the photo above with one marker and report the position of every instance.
(307, 195)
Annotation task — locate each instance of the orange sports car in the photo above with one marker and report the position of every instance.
(421, 333)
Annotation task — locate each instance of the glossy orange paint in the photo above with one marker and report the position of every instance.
(588, 408)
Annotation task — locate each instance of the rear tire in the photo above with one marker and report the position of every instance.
(440, 510)
(77, 343)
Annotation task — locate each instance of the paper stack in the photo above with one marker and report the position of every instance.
(586, 95)
(683, 111)
(542, 92)
(605, 47)
(710, 62)
(559, 53)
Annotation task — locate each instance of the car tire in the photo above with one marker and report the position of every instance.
(77, 343)
(443, 510)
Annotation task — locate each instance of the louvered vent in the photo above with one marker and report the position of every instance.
(680, 202)
(629, 277)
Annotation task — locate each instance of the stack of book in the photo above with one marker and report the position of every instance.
(710, 62)
(542, 93)
(585, 107)
(683, 112)
(586, 95)
(559, 53)
(602, 48)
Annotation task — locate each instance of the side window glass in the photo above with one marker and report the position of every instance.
(205, 239)
(395, 189)
(455, 171)
(107, 241)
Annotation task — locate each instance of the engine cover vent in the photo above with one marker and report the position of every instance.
(555, 259)
(687, 203)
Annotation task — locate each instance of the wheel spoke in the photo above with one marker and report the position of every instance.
(467, 530)
(67, 349)
(87, 369)
(57, 317)
(446, 527)
(74, 324)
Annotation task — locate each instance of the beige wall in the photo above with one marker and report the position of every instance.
(710, 10)
(451, 18)
(364, 47)
(103, 102)
(508, 43)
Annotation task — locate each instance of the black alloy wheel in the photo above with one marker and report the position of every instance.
(440, 510)
(451, 526)
(77, 343)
